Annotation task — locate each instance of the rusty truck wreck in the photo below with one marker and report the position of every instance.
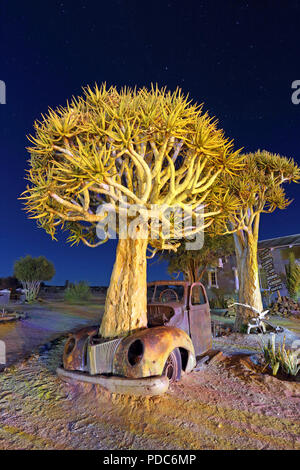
(145, 361)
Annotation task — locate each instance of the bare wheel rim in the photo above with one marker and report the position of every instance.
(172, 368)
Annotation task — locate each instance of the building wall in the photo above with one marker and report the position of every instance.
(226, 275)
(226, 280)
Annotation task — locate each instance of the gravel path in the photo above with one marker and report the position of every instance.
(225, 405)
(42, 326)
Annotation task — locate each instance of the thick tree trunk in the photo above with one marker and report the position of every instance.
(32, 289)
(126, 300)
(249, 289)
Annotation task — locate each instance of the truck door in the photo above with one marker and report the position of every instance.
(199, 319)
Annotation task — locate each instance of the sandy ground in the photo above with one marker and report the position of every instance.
(46, 322)
(224, 405)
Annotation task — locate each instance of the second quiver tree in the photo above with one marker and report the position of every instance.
(259, 189)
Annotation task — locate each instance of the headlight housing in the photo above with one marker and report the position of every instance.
(135, 352)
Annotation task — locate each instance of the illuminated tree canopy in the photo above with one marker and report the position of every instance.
(140, 147)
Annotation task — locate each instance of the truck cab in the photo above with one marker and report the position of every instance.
(182, 305)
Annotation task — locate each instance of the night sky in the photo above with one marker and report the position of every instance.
(238, 57)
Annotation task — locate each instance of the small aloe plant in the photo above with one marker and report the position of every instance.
(282, 358)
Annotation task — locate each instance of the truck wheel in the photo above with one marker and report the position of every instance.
(172, 368)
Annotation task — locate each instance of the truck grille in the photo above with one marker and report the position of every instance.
(101, 356)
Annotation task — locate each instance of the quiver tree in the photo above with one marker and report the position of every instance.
(123, 150)
(259, 188)
(30, 272)
(194, 263)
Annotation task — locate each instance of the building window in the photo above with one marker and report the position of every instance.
(212, 278)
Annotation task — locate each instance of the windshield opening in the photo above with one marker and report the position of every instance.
(165, 293)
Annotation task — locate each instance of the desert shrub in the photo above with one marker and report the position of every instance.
(77, 292)
(231, 309)
(280, 358)
(292, 271)
(31, 272)
(218, 300)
